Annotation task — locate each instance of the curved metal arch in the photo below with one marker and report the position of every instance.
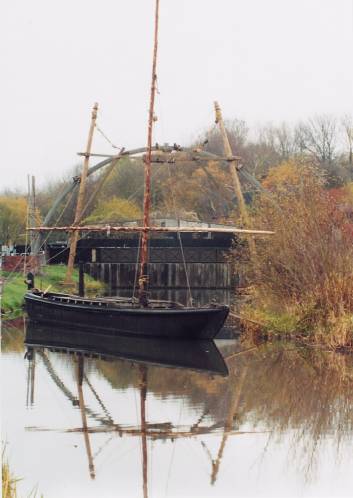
(125, 153)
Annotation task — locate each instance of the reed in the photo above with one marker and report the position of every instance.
(306, 271)
(9, 482)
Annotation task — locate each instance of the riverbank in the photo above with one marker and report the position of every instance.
(302, 279)
(50, 277)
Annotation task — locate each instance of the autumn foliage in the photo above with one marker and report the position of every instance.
(307, 268)
(13, 213)
(114, 209)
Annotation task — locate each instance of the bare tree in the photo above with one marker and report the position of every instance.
(285, 142)
(347, 126)
(318, 137)
(237, 132)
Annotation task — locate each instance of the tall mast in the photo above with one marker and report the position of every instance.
(81, 197)
(143, 278)
(143, 395)
(80, 368)
(235, 178)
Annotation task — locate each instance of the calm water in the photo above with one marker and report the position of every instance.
(280, 424)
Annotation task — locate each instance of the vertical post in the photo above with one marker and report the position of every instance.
(235, 178)
(143, 394)
(233, 407)
(25, 269)
(81, 280)
(34, 196)
(33, 371)
(80, 371)
(32, 210)
(143, 278)
(81, 196)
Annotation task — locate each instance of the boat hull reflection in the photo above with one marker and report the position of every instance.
(201, 356)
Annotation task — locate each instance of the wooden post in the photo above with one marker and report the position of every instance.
(81, 196)
(80, 368)
(233, 407)
(81, 280)
(235, 178)
(143, 395)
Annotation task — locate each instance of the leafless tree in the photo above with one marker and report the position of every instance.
(237, 132)
(318, 137)
(347, 126)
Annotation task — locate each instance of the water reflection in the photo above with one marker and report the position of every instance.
(275, 425)
(196, 355)
(202, 356)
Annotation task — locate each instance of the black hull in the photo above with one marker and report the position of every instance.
(202, 356)
(170, 323)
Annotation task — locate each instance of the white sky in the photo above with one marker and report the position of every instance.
(264, 60)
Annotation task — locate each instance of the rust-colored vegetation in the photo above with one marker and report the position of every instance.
(304, 277)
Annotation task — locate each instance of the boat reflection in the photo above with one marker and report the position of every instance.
(289, 399)
(200, 356)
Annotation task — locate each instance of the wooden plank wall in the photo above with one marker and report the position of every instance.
(209, 275)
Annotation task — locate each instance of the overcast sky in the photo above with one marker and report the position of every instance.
(264, 60)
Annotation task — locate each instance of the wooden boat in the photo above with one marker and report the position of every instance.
(201, 356)
(137, 318)
(163, 319)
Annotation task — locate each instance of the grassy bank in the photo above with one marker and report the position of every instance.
(50, 276)
(303, 276)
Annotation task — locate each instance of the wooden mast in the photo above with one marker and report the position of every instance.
(234, 173)
(143, 276)
(143, 394)
(81, 197)
(80, 368)
(233, 407)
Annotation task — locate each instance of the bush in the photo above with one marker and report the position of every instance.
(308, 264)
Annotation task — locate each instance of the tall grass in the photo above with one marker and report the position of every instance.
(50, 276)
(8, 481)
(306, 269)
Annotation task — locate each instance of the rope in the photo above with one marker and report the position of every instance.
(137, 266)
(60, 384)
(106, 138)
(99, 400)
(101, 182)
(173, 453)
(189, 299)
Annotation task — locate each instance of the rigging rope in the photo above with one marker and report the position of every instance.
(137, 265)
(99, 399)
(189, 299)
(106, 138)
(60, 384)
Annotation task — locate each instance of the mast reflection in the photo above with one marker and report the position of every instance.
(198, 356)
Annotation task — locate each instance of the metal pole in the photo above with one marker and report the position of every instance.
(80, 199)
